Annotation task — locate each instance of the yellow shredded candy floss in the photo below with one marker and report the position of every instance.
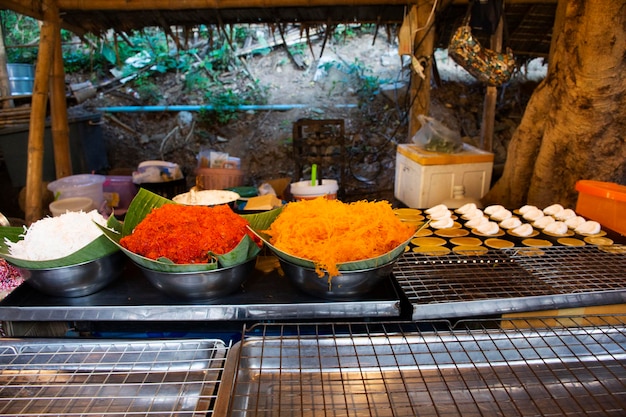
(330, 232)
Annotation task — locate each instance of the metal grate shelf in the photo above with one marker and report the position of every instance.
(511, 280)
(52, 377)
(557, 366)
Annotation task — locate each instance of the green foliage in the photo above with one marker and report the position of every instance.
(297, 49)
(343, 32)
(20, 30)
(197, 81)
(147, 89)
(367, 84)
(79, 61)
(225, 101)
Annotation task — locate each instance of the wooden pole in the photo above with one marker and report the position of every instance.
(5, 85)
(34, 164)
(58, 109)
(423, 45)
(491, 98)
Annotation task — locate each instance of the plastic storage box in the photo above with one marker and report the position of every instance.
(604, 202)
(88, 150)
(119, 191)
(424, 179)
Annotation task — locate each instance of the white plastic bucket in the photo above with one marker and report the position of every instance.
(303, 190)
(59, 207)
(82, 185)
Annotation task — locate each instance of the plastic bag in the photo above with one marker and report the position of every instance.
(434, 136)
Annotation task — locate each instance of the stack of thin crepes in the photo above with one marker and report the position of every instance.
(330, 232)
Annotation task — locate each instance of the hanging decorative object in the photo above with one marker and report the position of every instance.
(488, 66)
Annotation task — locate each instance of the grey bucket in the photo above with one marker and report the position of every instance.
(21, 78)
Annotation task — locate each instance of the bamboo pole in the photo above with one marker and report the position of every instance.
(5, 85)
(34, 165)
(423, 53)
(58, 108)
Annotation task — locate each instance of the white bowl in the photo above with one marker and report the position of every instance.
(207, 197)
(64, 205)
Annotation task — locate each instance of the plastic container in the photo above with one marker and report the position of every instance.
(119, 191)
(303, 190)
(59, 207)
(459, 199)
(88, 150)
(167, 189)
(218, 178)
(82, 185)
(157, 171)
(604, 202)
(21, 78)
(425, 179)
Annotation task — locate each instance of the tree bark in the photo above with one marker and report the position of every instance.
(573, 127)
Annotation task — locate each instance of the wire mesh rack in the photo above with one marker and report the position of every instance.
(514, 279)
(53, 377)
(565, 366)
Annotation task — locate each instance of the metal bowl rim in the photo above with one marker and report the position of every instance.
(66, 266)
(342, 272)
(196, 272)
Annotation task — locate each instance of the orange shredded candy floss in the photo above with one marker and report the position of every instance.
(186, 234)
(330, 232)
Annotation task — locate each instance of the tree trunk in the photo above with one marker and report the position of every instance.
(573, 127)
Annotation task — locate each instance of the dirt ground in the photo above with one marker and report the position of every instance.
(328, 85)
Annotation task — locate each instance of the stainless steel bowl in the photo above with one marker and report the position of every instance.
(76, 280)
(200, 285)
(348, 285)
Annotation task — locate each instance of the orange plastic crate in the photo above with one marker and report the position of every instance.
(604, 202)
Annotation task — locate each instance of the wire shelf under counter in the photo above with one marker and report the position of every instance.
(512, 280)
(566, 366)
(53, 377)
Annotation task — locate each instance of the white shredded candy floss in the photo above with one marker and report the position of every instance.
(477, 221)
(552, 209)
(437, 209)
(56, 237)
(466, 208)
(473, 214)
(501, 214)
(489, 210)
(523, 230)
(444, 223)
(489, 228)
(526, 208)
(565, 214)
(557, 228)
(574, 222)
(533, 214)
(543, 222)
(510, 223)
(589, 227)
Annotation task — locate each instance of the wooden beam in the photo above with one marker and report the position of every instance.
(491, 97)
(210, 4)
(58, 111)
(34, 164)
